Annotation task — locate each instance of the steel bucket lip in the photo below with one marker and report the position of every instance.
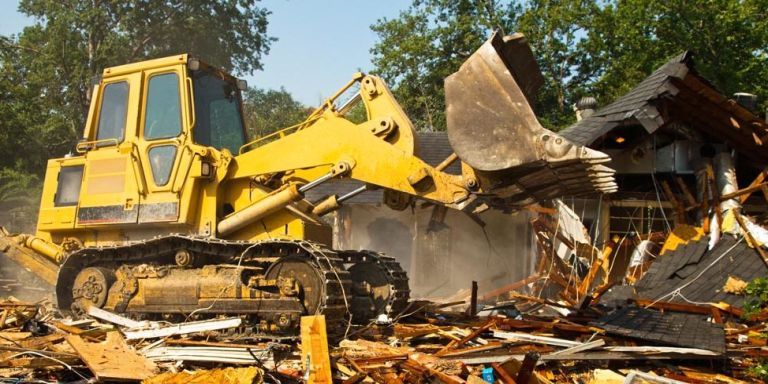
(490, 123)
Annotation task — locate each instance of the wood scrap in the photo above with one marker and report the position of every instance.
(101, 358)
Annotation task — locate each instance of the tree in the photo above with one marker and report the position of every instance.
(432, 38)
(601, 48)
(427, 42)
(53, 62)
(630, 38)
(19, 199)
(556, 30)
(269, 110)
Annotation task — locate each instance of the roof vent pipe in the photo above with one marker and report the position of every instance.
(746, 100)
(585, 107)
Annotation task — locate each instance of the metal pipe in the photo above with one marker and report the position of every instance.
(352, 194)
(332, 203)
(447, 162)
(260, 209)
(316, 182)
(49, 250)
(327, 205)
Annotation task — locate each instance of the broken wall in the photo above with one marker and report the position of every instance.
(442, 258)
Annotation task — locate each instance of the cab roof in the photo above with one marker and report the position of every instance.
(158, 63)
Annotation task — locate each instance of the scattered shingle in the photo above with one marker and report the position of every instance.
(668, 328)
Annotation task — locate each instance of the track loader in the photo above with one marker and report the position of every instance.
(167, 210)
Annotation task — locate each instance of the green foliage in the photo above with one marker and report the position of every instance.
(269, 110)
(601, 48)
(759, 370)
(48, 68)
(555, 30)
(426, 43)
(19, 199)
(628, 39)
(757, 296)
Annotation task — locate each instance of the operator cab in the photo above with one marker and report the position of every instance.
(215, 121)
(218, 108)
(146, 123)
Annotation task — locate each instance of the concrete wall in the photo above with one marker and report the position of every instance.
(442, 258)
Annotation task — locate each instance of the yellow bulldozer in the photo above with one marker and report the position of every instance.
(166, 209)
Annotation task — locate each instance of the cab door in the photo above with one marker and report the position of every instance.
(161, 144)
(111, 184)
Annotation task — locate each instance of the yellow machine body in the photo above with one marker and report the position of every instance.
(123, 198)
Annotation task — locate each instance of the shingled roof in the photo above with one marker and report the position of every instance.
(675, 92)
(636, 105)
(433, 148)
(693, 273)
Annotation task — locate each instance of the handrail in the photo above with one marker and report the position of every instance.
(281, 133)
(85, 146)
(192, 114)
(312, 116)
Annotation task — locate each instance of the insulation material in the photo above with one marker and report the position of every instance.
(641, 253)
(569, 225)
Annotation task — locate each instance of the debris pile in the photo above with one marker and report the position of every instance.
(688, 306)
(682, 321)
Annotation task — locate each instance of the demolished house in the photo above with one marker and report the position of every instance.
(685, 155)
(645, 285)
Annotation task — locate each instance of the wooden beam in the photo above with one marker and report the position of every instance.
(754, 243)
(113, 318)
(715, 196)
(457, 343)
(525, 373)
(526, 337)
(683, 307)
(510, 324)
(686, 192)
(314, 349)
(595, 268)
(757, 181)
(505, 377)
(509, 287)
(185, 328)
(705, 203)
(743, 191)
(679, 209)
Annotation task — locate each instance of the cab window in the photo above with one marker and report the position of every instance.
(163, 116)
(161, 161)
(113, 112)
(218, 121)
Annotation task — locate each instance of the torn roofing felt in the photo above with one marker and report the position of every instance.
(675, 92)
(691, 273)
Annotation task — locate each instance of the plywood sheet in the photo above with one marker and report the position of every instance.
(112, 359)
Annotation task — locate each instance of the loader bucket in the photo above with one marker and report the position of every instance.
(493, 129)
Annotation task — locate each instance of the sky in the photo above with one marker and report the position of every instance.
(320, 43)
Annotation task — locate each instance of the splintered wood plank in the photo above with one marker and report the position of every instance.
(754, 243)
(112, 359)
(756, 182)
(314, 349)
(686, 192)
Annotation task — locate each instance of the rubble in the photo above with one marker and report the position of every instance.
(683, 320)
